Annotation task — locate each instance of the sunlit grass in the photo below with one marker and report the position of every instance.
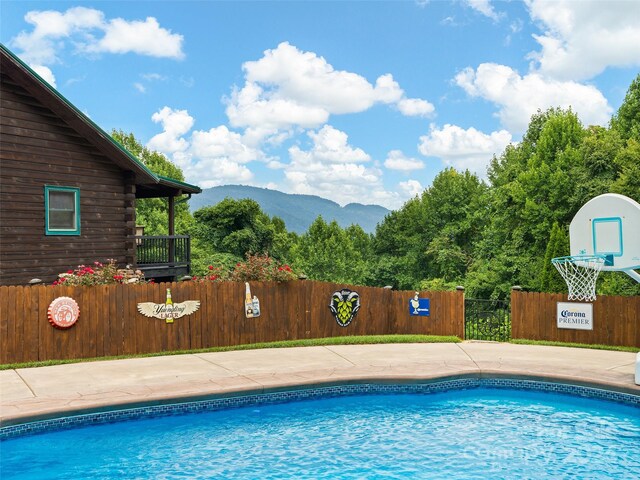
(524, 341)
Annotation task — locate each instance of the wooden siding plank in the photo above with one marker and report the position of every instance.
(29, 332)
(5, 311)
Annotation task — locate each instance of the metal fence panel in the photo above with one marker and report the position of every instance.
(487, 320)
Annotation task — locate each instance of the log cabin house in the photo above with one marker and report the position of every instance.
(68, 189)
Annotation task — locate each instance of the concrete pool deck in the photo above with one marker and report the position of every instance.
(30, 394)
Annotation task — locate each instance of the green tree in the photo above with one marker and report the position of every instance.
(627, 120)
(432, 236)
(327, 252)
(628, 163)
(626, 123)
(153, 213)
(617, 283)
(558, 246)
(236, 227)
(283, 240)
(597, 169)
(396, 244)
(532, 186)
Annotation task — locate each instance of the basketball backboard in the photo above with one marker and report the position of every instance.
(608, 225)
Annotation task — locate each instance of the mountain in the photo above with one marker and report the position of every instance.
(297, 211)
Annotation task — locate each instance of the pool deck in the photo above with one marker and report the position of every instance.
(47, 392)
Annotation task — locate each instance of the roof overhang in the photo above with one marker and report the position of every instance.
(166, 187)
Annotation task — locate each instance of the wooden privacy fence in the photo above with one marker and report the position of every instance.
(110, 324)
(616, 320)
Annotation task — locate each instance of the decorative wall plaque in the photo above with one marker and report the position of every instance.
(251, 305)
(419, 306)
(168, 311)
(63, 312)
(344, 306)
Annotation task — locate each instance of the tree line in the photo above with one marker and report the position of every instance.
(486, 235)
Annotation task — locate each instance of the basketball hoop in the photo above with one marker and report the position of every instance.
(580, 272)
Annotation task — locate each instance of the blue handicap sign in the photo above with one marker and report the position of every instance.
(419, 307)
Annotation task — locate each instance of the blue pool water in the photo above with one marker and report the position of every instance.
(479, 433)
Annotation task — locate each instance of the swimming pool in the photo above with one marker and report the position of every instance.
(472, 433)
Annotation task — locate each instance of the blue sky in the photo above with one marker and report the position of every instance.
(354, 101)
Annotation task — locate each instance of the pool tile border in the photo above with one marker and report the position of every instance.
(301, 394)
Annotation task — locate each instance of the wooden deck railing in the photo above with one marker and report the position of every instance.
(163, 250)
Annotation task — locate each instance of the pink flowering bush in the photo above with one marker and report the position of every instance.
(260, 268)
(256, 268)
(212, 274)
(99, 274)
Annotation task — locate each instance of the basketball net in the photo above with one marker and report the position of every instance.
(580, 272)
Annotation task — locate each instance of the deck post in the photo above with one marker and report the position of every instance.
(172, 229)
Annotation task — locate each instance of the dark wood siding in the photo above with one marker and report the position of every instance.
(37, 148)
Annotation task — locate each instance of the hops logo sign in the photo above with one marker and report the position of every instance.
(344, 306)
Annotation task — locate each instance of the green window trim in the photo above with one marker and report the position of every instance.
(49, 230)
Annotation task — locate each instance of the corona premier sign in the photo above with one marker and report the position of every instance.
(575, 316)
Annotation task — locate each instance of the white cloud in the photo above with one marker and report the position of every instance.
(329, 146)
(580, 39)
(396, 160)
(142, 37)
(207, 173)
(334, 169)
(276, 165)
(207, 158)
(289, 88)
(89, 31)
(45, 73)
(387, 90)
(519, 97)
(221, 143)
(175, 123)
(50, 28)
(484, 7)
(140, 87)
(308, 79)
(266, 114)
(411, 188)
(415, 107)
(464, 149)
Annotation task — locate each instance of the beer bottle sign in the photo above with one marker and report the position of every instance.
(256, 306)
(251, 305)
(169, 305)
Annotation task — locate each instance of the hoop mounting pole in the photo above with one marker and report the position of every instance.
(633, 274)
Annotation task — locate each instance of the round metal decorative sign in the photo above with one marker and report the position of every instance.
(63, 312)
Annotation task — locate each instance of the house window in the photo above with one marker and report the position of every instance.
(62, 210)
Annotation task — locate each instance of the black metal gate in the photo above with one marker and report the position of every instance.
(487, 320)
